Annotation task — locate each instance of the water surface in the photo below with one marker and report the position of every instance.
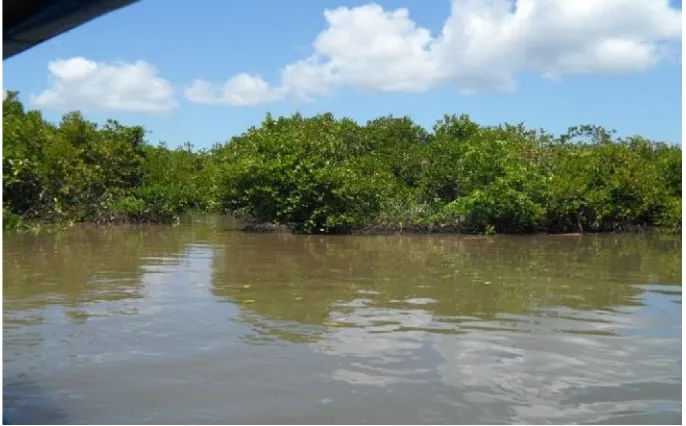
(201, 324)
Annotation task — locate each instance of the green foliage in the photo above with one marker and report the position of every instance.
(76, 171)
(328, 175)
(613, 184)
(311, 174)
(489, 178)
(9, 219)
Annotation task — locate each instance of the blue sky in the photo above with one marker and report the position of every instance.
(176, 66)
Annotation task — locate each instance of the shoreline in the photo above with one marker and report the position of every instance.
(381, 230)
(253, 227)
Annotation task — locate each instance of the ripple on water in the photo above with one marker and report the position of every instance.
(192, 323)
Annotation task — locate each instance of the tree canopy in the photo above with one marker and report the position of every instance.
(327, 175)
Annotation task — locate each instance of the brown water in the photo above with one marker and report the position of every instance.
(201, 324)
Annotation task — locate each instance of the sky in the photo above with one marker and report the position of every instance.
(205, 71)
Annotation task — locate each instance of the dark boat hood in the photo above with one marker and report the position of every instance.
(28, 23)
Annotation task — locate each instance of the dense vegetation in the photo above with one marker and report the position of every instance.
(78, 172)
(327, 175)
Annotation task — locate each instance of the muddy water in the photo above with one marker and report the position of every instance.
(201, 324)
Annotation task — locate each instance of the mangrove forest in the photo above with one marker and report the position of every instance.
(324, 174)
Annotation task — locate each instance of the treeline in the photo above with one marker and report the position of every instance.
(76, 171)
(327, 175)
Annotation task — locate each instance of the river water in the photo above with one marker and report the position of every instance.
(201, 324)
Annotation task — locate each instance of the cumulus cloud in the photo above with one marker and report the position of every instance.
(79, 83)
(481, 47)
(241, 89)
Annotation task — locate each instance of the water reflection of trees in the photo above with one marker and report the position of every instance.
(304, 280)
(86, 264)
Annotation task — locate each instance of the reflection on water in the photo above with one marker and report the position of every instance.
(201, 324)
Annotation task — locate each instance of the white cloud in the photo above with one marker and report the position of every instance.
(482, 46)
(241, 89)
(79, 83)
